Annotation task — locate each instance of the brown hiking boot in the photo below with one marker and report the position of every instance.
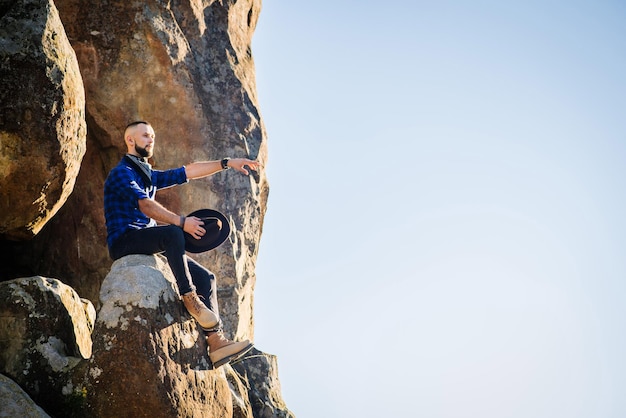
(223, 350)
(199, 311)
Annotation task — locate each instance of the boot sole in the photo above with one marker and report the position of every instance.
(233, 356)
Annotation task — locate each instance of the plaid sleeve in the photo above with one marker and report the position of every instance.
(169, 178)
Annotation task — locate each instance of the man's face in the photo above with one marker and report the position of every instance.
(141, 140)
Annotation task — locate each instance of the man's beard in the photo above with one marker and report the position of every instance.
(143, 152)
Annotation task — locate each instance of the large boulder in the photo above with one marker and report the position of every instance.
(149, 356)
(45, 331)
(14, 402)
(42, 119)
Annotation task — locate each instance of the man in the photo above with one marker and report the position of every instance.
(131, 218)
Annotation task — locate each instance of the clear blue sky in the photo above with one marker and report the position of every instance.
(446, 227)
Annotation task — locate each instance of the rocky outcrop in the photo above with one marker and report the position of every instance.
(45, 332)
(186, 67)
(42, 119)
(150, 358)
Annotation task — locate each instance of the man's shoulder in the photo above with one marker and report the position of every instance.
(122, 169)
(123, 163)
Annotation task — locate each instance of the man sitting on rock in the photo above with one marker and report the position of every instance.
(131, 218)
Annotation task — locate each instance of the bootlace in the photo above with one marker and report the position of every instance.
(218, 340)
(220, 336)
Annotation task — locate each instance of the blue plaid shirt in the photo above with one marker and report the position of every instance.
(123, 189)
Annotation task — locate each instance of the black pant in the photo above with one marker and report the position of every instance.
(170, 241)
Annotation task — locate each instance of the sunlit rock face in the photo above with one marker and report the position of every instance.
(42, 119)
(187, 68)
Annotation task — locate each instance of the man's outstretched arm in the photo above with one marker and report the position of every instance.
(206, 168)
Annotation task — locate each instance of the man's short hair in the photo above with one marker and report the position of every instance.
(135, 123)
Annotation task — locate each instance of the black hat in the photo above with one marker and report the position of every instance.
(215, 235)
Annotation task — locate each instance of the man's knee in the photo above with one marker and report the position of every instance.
(173, 236)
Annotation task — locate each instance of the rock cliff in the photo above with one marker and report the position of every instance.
(74, 73)
(187, 68)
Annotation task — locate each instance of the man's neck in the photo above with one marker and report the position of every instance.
(137, 156)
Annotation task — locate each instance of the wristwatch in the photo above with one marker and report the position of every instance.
(224, 163)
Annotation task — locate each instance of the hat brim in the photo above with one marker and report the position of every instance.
(206, 242)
